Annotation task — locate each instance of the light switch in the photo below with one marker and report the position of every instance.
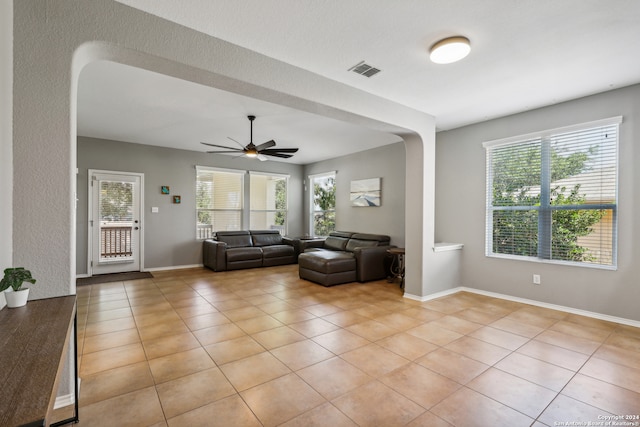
(155, 209)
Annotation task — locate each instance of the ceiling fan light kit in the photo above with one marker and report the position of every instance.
(251, 150)
(449, 50)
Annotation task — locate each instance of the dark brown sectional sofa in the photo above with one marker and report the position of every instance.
(344, 257)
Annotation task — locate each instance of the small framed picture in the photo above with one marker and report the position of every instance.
(165, 189)
(176, 199)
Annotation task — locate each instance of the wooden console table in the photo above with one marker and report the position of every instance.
(33, 344)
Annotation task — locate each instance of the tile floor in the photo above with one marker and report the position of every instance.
(263, 348)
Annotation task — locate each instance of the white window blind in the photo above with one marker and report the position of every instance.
(219, 195)
(268, 201)
(553, 195)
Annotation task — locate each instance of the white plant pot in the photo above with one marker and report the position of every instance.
(3, 300)
(16, 298)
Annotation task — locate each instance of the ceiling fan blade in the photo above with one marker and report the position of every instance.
(262, 158)
(266, 145)
(242, 146)
(280, 150)
(227, 152)
(284, 156)
(220, 146)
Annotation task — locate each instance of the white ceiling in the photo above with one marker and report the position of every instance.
(525, 54)
(123, 103)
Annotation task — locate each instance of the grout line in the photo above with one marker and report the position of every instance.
(293, 291)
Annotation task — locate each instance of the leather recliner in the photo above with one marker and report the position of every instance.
(344, 257)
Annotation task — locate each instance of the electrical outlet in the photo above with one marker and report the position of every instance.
(536, 279)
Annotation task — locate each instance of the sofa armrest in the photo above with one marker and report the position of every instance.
(310, 243)
(288, 241)
(214, 255)
(292, 242)
(370, 263)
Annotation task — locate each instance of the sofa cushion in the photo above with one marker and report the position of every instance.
(327, 262)
(361, 240)
(357, 243)
(266, 239)
(314, 249)
(336, 243)
(243, 254)
(384, 240)
(234, 239)
(277, 251)
(345, 234)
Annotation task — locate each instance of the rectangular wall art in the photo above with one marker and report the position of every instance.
(366, 192)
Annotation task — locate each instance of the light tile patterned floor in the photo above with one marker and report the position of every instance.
(262, 347)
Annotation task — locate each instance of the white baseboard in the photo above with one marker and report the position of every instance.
(571, 310)
(174, 267)
(67, 399)
(433, 296)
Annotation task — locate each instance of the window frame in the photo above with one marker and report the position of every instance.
(240, 210)
(545, 209)
(285, 210)
(312, 210)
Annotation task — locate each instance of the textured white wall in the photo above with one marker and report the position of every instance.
(6, 126)
(55, 39)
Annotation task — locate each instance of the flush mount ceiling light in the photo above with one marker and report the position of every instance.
(449, 50)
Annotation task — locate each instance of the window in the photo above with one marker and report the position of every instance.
(219, 195)
(553, 195)
(268, 201)
(323, 204)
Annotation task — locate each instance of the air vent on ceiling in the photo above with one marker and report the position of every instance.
(364, 69)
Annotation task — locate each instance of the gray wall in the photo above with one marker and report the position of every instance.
(386, 162)
(169, 235)
(460, 209)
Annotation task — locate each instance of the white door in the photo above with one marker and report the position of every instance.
(115, 225)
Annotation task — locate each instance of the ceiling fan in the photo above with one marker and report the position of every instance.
(251, 150)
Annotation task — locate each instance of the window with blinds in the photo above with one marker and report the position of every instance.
(219, 195)
(553, 195)
(268, 201)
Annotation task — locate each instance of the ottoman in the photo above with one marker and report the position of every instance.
(327, 268)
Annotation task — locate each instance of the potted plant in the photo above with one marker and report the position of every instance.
(11, 285)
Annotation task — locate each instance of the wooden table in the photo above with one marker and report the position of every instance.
(33, 346)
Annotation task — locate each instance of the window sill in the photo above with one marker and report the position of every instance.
(556, 262)
(443, 247)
